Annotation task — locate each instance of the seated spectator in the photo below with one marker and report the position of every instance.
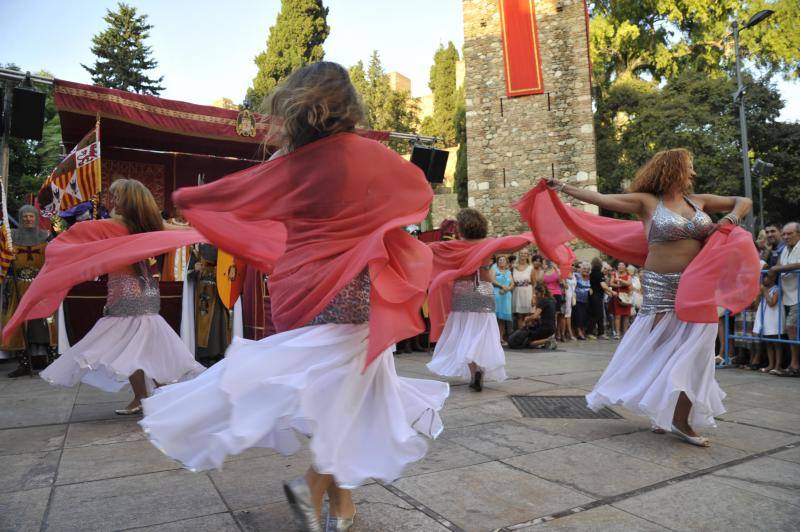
(541, 324)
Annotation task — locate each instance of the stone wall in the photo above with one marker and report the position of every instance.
(512, 142)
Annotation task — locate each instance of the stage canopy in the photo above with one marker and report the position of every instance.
(166, 144)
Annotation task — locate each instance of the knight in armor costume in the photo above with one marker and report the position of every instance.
(31, 343)
(212, 320)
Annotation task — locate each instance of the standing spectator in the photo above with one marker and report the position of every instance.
(522, 295)
(538, 269)
(551, 277)
(569, 304)
(769, 316)
(503, 285)
(788, 261)
(636, 287)
(775, 244)
(580, 313)
(596, 325)
(622, 301)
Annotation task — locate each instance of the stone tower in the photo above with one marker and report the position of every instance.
(512, 142)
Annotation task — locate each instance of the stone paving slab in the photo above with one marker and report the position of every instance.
(504, 439)
(23, 511)
(115, 430)
(772, 478)
(488, 496)
(27, 471)
(222, 522)
(604, 519)
(133, 501)
(707, 504)
(32, 439)
(593, 470)
(96, 462)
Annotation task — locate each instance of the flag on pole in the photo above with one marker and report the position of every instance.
(6, 245)
(76, 179)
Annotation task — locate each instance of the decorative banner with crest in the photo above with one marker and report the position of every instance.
(76, 179)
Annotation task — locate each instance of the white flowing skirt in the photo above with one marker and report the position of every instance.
(363, 424)
(469, 337)
(116, 347)
(654, 364)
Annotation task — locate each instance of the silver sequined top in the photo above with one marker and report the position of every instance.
(668, 225)
(350, 305)
(132, 295)
(473, 296)
(659, 291)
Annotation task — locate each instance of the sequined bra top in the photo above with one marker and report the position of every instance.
(668, 225)
(132, 295)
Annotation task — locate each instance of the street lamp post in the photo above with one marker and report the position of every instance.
(739, 99)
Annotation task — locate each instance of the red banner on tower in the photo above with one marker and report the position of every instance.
(520, 48)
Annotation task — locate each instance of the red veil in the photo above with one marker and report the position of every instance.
(84, 252)
(725, 273)
(316, 218)
(458, 258)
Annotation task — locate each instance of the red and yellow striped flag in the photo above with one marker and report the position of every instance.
(76, 179)
(6, 245)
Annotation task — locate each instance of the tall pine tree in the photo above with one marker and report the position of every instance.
(294, 41)
(123, 60)
(443, 85)
(385, 109)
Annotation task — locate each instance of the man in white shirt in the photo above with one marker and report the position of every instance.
(788, 261)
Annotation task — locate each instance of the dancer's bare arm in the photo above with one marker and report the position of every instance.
(631, 203)
(736, 205)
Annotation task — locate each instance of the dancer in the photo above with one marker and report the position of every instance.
(131, 342)
(325, 216)
(664, 366)
(462, 303)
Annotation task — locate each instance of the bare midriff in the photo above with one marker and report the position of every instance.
(672, 256)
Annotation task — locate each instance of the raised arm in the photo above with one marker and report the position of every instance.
(633, 203)
(736, 206)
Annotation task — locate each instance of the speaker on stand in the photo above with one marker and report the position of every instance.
(432, 161)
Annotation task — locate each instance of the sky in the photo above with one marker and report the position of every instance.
(205, 48)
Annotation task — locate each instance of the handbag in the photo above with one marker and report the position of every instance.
(625, 299)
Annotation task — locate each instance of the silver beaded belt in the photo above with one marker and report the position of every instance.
(659, 291)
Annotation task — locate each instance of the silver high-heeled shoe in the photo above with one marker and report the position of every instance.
(339, 524)
(299, 497)
(699, 441)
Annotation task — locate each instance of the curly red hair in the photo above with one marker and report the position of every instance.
(666, 172)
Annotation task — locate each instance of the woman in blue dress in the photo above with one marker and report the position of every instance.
(503, 286)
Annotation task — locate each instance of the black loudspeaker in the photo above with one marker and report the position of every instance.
(431, 161)
(27, 113)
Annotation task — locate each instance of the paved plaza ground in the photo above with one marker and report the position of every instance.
(68, 463)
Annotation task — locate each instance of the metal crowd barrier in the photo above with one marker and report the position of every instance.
(782, 337)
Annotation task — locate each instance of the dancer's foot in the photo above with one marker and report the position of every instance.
(133, 408)
(341, 511)
(298, 495)
(687, 434)
(477, 381)
(655, 429)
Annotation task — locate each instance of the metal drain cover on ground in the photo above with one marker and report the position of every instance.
(559, 406)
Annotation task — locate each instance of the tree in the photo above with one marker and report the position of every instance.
(461, 178)
(385, 109)
(443, 85)
(123, 60)
(294, 41)
(657, 39)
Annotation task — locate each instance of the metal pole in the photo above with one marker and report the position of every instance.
(760, 202)
(5, 149)
(748, 184)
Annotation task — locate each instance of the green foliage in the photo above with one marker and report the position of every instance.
(122, 57)
(384, 109)
(660, 38)
(30, 162)
(445, 97)
(460, 126)
(294, 41)
(663, 74)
